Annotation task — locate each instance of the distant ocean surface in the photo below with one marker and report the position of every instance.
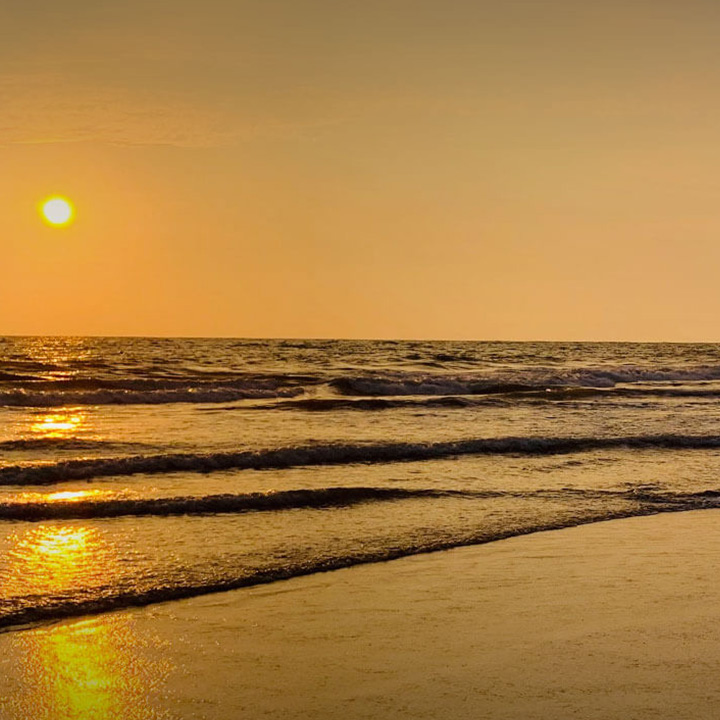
(135, 471)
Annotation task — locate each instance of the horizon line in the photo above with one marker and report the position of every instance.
(283, 338)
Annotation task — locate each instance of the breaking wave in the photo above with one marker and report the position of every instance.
(336, 454)
(69, 443)
(307, 498)
(539, 382)
(316, 404)
(550, 394)
(215, 504)
(120, 396)
(517, 382)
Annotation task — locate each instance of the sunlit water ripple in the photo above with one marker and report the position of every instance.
(139, 470)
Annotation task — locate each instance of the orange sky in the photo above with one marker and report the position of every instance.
(385, 168)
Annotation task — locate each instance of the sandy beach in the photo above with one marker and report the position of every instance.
(612, 620)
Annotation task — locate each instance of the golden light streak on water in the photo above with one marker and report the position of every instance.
(94, 669)
(59, 424)
(70, 495)
(52, 559)
(65, 496)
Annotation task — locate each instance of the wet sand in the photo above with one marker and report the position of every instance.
(614, 620)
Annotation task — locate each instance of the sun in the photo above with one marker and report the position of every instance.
(57, 211)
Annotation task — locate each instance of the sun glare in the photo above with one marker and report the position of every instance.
(57, 211)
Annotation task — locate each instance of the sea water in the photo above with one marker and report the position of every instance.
(140, 470)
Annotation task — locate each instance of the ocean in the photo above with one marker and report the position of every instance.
(142, 470)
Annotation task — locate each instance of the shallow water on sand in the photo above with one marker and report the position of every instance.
(608, 621)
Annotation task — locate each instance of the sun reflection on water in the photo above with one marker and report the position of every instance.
(53, 559)
(67, 496)
(59, 424)
(96, 669)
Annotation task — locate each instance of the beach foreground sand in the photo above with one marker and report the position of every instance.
(614, 620)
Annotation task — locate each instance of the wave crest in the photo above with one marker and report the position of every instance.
(521, 381)
(107, 396)
(336, 454)
(212, 504)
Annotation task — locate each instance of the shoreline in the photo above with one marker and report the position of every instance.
(37, 618)
(614, 619)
